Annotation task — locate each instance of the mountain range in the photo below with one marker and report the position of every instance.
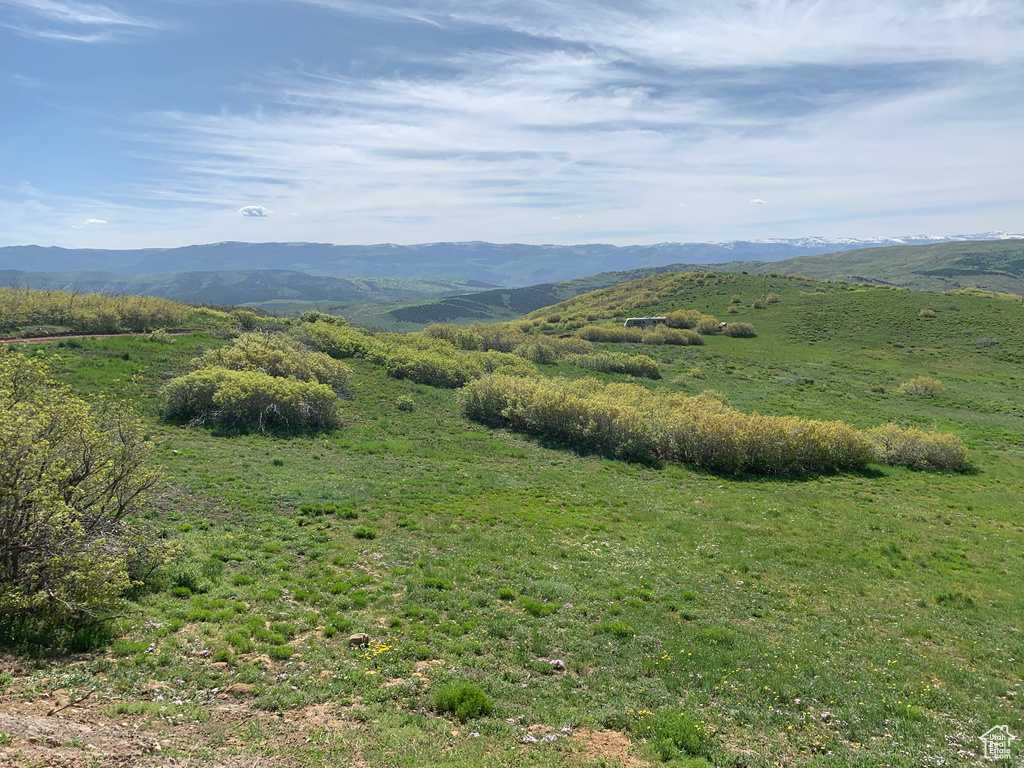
(510, 264)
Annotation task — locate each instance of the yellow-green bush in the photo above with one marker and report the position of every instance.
(618, 362)
(922, 386)
(630, 421)
(610, 332)
(87, 312)
(338, 341)
(739, 330)
(74, 478)
(917, 448)
(277, 355)
(683, 318)
(707, 324)
(678, 336)
(250, 399)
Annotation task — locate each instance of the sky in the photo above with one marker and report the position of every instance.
(162, 123)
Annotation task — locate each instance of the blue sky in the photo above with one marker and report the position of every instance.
(169, 122)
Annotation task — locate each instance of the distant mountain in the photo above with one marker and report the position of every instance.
(496, 264)
(996, 266)
(246, 286)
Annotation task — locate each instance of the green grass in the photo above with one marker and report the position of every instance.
(835, 620)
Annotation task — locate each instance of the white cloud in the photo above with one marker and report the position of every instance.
(844, 110)
(89, 223)
(254, 211)
(73, 21)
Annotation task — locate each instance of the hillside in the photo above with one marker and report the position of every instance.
(587, 610)
(247, 286)
(993, 266)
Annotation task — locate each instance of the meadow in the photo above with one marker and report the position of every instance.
(528, 604)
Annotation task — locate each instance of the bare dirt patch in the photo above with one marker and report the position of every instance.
(236, 736)
(610, 746)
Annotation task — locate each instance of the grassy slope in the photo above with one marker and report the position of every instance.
(757, 606)
(994, 266)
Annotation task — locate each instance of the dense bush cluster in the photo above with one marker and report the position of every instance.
(261, 381)
(610, 332)
(438, 363)
(618, 334)
(337, 341)
(618, 362)
(73, 477)
(428, 358)
(682, 337)
(916, 448)
(277, 355)
(739, 330)
(515, 338)
(629, 421)
(250, 399)
(86, 312)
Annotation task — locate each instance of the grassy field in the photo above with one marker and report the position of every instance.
(585, 611)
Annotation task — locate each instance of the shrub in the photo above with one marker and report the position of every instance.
(86, 313)
(610, 332)
(405, 403)
(707, 324)
(739, 330)
(72, 480)
(772, 298)
(250, 399)
(315, 316)
(629, 421)
(335, 340)
(277, 355)
(464, 700)
(245, 319)
(758, 304)
(922, 386)
(917, 448)
(161, 336)
(618, 362)
(683, 318)
(364, 532)
(926, 313)
(676, 336)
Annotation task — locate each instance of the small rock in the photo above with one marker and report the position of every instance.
(33, 739)
(263, 661)
(239, 689)
(219, 665)
(52, 741)
(358, 640)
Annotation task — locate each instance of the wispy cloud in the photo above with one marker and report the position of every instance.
(73, 21)
(556, 116)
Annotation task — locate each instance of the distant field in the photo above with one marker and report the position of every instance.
(613, 614)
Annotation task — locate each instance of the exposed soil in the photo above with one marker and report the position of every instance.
(610, 746)
(89, 734)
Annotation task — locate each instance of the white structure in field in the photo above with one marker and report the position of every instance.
(644, 322)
